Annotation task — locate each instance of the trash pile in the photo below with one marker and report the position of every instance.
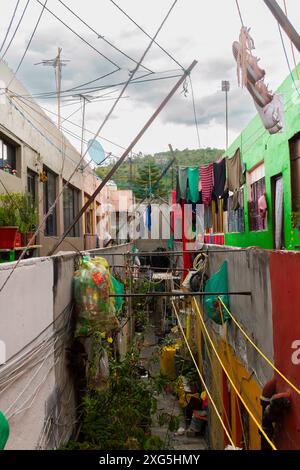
(96, 316)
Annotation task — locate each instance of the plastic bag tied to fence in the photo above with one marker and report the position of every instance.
(92, 287)
(218, 282)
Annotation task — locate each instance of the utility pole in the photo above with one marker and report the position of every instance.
(226, 88)
(84, 98)
(57, 63)
(284, 22)
(124, 155)
(130, 169)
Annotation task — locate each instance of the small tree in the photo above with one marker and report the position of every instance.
(146, 181)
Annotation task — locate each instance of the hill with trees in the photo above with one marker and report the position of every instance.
(140, 173)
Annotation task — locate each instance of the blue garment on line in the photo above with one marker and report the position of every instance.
(148, 218)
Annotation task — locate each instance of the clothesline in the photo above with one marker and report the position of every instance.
(202, 184)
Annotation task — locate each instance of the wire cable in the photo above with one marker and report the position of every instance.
(229, 378)
(287, 60)
(292, 45)
(195, 113)
(9, 26)
(29, 42)
(15, 31)
(99, 36)
(296, 389)
(239, 12)
(80, 37)
(81, 159)
(148, 35)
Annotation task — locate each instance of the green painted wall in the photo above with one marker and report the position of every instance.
(257, 145)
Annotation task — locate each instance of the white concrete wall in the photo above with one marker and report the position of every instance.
(40, 143)
(37, 395)
(26, 310)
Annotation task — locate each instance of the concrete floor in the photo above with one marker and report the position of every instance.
(167, 403)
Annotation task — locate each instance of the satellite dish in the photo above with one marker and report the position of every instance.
(96, 151)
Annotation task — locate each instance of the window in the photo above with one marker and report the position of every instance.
(7, 156)
(71, 209)
(236, 217)
(49, 198)
(31, 183)
(89, 217)
(256, 189)
(295, 172)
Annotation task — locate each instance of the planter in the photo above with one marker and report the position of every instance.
(26, 237)
(18, 240)
(8, 237)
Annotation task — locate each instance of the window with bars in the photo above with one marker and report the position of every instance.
(50, 193)
(7, 156)
(31, 183)
(256, 189)
(71, 209)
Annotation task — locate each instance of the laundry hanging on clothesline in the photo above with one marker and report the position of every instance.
(234, 177)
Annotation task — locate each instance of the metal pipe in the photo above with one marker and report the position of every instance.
(179, 294)
(161, 253)
(123, 156)
(284, 22)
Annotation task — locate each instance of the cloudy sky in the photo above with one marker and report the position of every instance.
(196, 29)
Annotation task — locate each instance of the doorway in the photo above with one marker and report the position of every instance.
(278, 212)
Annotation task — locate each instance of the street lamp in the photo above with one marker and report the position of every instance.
(226, 88)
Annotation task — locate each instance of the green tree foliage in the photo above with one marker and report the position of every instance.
(134, 173)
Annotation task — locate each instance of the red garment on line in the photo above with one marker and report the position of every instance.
(207, 181)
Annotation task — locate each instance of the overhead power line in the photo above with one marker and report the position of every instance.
(15, 31)
(9, 26)
(64, 119)
(40, 227)
(99, 36)
(29, 42)
(80, 37)
(148, 35)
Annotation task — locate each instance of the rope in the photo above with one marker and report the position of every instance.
(214, 373)
(258, 350)
(201, 377)
(239, 12)
(224, 326)
(230, 379)
(292, 45)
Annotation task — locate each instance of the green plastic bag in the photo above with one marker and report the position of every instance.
(218, 282)
(4, 431)
(119, 289)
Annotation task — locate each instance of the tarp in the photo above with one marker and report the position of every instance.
(119, 289)
(218, 282)
(4, 431)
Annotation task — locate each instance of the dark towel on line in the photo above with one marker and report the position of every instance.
(183, 182)
(235, 178)
(219, 178)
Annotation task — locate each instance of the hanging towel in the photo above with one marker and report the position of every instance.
(183, 182)
(207, 181)
(219, 178)
(148, 217)
(193, 184)
(235, 177)
(219, 184)
(177, 187)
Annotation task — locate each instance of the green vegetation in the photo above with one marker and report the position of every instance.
(118, 416)
(19, 210)
(134, 174)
